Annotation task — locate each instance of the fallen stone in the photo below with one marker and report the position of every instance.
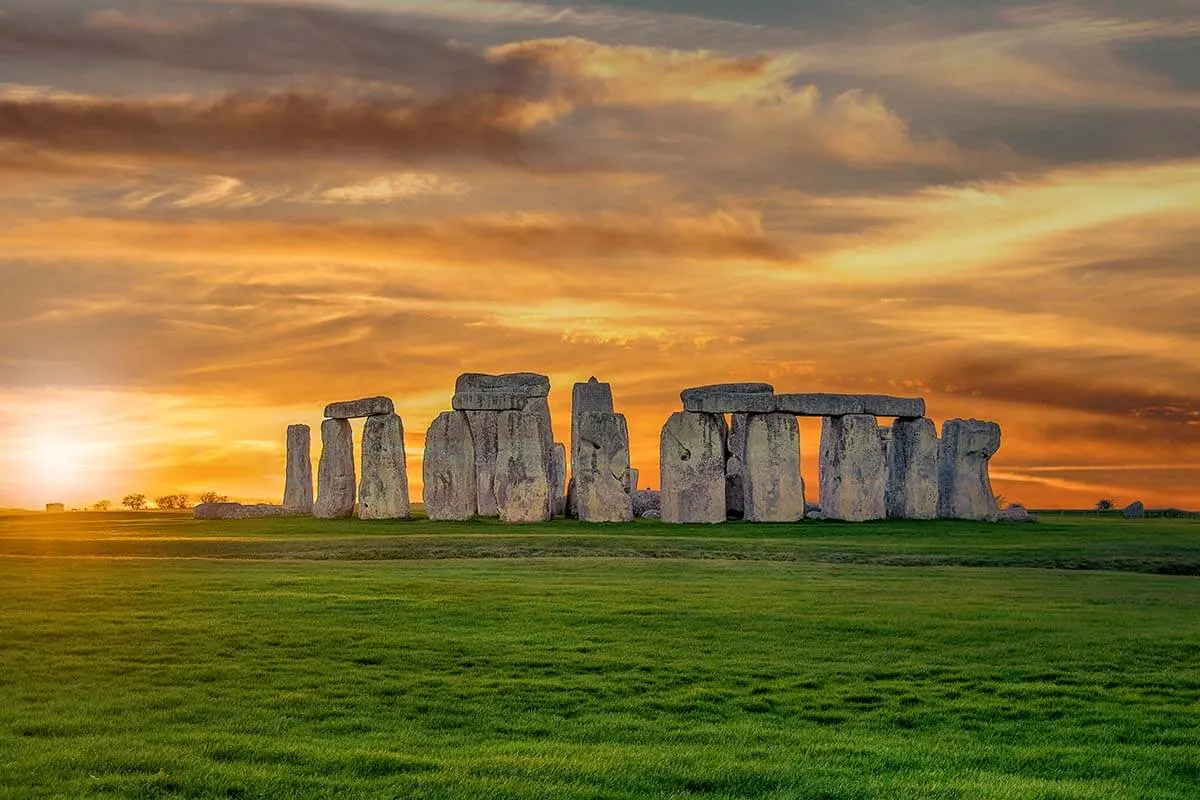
(298, 481)
(601, 464)
(1016, 513)
(522, 473)
(239, 511)
(336, 483)
(383, 489)
(558, 480)
(448, 468)
(485, 435)
(652, 513)
(853, 479)
(366, 407)
(810, 507)
(735, 467)
(1135, 510)
(646, 500)
(488, 401)
(692, 459)
(912, 470)
(527, 384)
(815, 514)
(774, 490)
(841, 405)
(730, 398)
(964, 486)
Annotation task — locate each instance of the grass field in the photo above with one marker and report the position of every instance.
(151, 655)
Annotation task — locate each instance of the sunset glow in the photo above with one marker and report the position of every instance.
(219, 216)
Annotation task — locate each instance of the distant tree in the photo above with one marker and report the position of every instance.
(183, 501)
(1000, 501)
(1105, 504)
(134, 502)
(172, 501)
(102, 505)
(213, 497)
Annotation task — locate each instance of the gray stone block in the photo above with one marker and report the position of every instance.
(366, 407)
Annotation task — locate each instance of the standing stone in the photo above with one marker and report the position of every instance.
(853, 482)
(540, 407)
(774, 490)
(449, 468)
(601, 462)
(735, 467)
(485, 435)
(692, 460)
(336, 484)
(632, 482)
(590, 396)
(383, 493)
(1135, 510)
(558, 480)
(964, 484)
(912, 471)
(522, 473)
(298, 484)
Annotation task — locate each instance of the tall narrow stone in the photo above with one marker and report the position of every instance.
(735, 467)
(853, 482)
(632, 482)
(912, 471)
(540, 407)
(601, 462)
(336, 484)
(522, 472)
(485, 435)
(590, 396)
(692, 460)
(774, 490)
(558, 480)
(449, 468)
(298, 483)
(383, 491)
(965, 488)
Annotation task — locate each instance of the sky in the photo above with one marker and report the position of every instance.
(217, 217)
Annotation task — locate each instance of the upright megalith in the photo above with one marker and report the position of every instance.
(558, 479)
(485, 436)
(912, 470)
(601, 464)
(522, 468)
(298, 482)
(595, 396)
(692, 462)
(735, 466)
(383, 490)
(632, 480)
(448, 468)
(964, 486)
(853, 482)
(336, 484)
(772, 487)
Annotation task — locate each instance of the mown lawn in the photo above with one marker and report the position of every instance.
(156, 656)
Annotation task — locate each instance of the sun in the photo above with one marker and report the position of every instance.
(57, 463)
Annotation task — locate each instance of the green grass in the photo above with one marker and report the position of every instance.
(153, 655)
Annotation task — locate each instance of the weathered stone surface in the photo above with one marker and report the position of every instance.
(383, 490)
(652, 513)
(773, 488)
(730, 398)
(488, 401)
(912, 470)
(448, 469)
(485, 435)
(298, 482)
(522, 468)
(692, 460)
(735, 467)
(1135, 510)
(632, 479)
(815, 404)
(593, 395)
(526, 384)
(1015, 513)
(238, 511)
(336, 484)
(964, 485)
(646, 500)
(540, 408)
(366, 407)
(853, 479)
(558, 479)
(601, 463)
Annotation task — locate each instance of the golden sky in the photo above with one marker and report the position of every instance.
(216, 217)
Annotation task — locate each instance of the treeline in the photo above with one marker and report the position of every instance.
(167, 502)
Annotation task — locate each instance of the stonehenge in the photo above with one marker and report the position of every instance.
(448, 469)
(964, 487)
(298, 483)
(732, 452)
